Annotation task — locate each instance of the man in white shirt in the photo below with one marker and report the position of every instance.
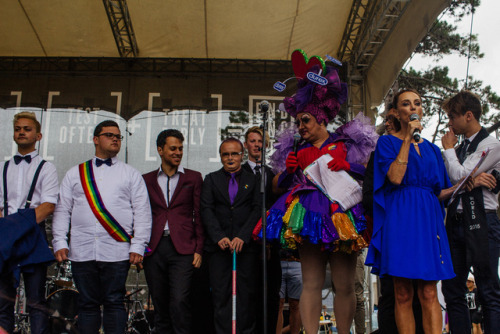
(17, 177)
(101, 227)
(472, 223)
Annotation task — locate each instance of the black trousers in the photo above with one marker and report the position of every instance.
(488, 284)
(220, 269)
(34, 283)
(169, 276)
(273, 289)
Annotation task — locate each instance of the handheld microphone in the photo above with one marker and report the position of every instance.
(296, 139)
(264, 106)
(416, 133)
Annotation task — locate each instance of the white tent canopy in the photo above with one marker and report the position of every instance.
(230, 29)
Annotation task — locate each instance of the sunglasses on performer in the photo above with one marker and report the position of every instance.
(304, 120)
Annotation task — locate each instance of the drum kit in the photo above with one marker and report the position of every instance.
(62, 305)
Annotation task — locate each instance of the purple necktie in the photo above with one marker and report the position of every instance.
(233, 187)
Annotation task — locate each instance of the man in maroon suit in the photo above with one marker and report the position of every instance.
(177, 235)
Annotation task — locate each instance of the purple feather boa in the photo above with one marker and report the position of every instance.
(283, 146)
(360, 137)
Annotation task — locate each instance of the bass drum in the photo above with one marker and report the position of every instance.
(63, 308)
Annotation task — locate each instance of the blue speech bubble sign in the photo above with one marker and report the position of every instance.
(316, 78)
(279, 86)
(333, 60)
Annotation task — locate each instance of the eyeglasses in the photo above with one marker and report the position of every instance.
(226, 155)
(304, 120)
(111, 135)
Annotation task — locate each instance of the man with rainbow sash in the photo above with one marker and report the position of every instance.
(104, 205)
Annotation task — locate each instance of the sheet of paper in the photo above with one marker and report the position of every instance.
(338, 186)
(480, 167)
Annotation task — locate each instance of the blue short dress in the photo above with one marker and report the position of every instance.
(409, 237)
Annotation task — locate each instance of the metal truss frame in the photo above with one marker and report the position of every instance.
(141, 66)
(369, 25)
(121, 25)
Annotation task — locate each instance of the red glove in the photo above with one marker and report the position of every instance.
(339, 164)
(291, 163)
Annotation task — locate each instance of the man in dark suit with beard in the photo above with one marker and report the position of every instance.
(230, 203)
(176, 237)
(253, 145)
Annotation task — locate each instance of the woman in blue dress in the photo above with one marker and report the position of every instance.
(409, 239)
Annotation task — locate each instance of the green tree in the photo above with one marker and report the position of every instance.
(435, 84)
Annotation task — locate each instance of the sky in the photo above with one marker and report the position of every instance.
(486, 24)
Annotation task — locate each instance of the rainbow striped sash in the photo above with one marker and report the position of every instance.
(96, 204)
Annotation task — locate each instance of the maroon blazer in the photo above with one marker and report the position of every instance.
(183, 214)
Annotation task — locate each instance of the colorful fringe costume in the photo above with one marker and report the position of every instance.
(304, 212)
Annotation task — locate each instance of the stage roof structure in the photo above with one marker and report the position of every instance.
(373, 38)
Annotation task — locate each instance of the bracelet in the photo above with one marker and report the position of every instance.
(400, 162)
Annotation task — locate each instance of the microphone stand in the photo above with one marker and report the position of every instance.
(264, 109)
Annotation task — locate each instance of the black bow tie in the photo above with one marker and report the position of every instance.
(18, 159)
(99, 162)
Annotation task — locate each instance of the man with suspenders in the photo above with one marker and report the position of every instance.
(27, 181)
(104, 205)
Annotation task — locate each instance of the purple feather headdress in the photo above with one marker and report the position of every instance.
(323, 102)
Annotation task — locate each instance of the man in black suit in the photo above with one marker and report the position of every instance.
(230, 207)
(253, 145)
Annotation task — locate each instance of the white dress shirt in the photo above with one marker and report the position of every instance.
(456, 170)
(124, 195)
(165, 182)
(19, 179)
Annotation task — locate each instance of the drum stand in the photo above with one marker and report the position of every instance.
(21, 318)
(137, 322)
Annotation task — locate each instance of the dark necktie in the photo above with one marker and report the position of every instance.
(168, 190)
(232, 188)
(462, 154)
(18, 159)
(257, 170)
(100, 162)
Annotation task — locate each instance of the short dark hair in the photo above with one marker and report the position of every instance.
(231, 140)
(462, 102)
(395, 122)
(395, 99)
(104, 124)
(162, 136)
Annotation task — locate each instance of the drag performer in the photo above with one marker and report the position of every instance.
(304, 216)
(28, 194)
(409, 240)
